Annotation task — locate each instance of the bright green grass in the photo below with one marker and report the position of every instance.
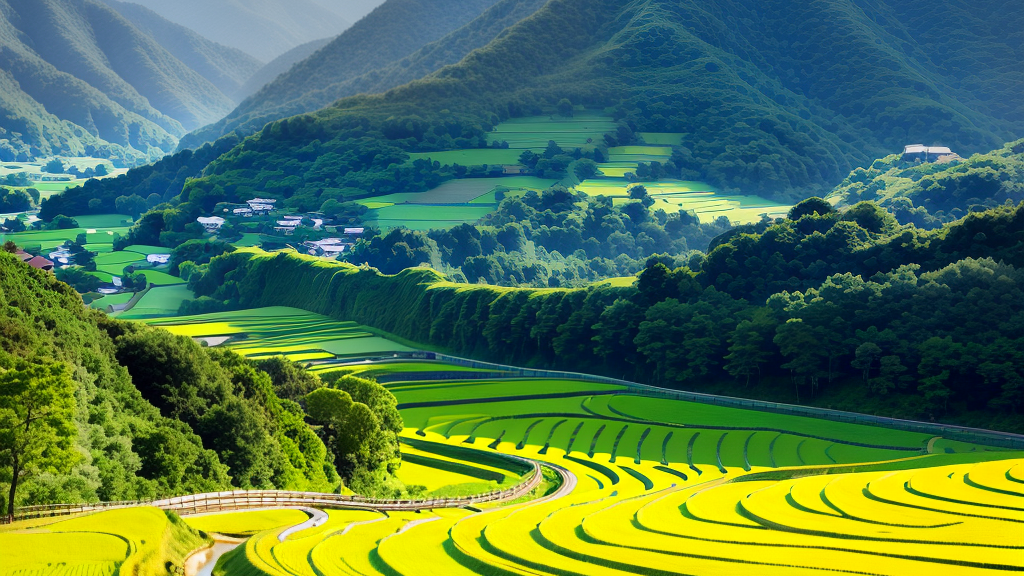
(104, 220)
(123, 257)
(704, 414)
(158, 278)
(419, 217)
(159, 302)
(103, 275)
(585, 130)
(266, 332)
(472, 157)
(147, 250)
(143, 540)
(245, 523)
(247, 240)
(424, 392)
(111, 300)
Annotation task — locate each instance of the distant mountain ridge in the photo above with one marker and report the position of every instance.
(226, 68)
(78, 77)
(263, 28)
(271, 70)
(368, 48)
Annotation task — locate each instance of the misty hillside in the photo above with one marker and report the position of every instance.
(393, 31)
(263, 28)
(271, 70)
(226, 68)
(784, 104)
(78, 75)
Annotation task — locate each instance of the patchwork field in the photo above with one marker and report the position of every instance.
(660, 486)
(99, 231)
(635, 482)
(279, 331)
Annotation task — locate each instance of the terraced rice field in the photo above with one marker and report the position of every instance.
(279, 331)
(684, 196)
(128, 541)
(659, 486)
(584, 130)
(649, 485)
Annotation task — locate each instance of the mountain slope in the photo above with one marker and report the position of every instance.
(83, 63)
(786, 103)
(394, 30)
(263, 28)
(226, 68)
(278, 66)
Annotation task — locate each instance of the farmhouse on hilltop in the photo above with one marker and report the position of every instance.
(922, 153)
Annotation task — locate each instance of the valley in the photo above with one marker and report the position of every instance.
(511, 287)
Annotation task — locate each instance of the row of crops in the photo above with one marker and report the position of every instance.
(646, 486)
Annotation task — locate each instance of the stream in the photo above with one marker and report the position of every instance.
(203, 562)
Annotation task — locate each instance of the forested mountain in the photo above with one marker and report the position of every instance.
(263, 28)
(842, 309)
(226, 68)
(77, 75)
(774, 98)
(278, 66)
(134, 412)
(394, 31)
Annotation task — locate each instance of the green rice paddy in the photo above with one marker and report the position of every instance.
(278, 331)
(656, 485)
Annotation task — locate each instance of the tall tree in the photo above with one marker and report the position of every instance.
(37, 429)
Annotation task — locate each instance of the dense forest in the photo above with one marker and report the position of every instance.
(844, 309)
(92, 408)
(555, 238)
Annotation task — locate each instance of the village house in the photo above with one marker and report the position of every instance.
(514, 170)
(40, 263)
(158, 259)
(211, 224)
(261, 206)
(922, 153)
(243, 212)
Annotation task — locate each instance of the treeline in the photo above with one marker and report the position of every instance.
(939, 339)
(555, 238)
(132, 412)
(929, 195)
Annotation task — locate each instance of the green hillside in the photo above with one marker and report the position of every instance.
(133, 412)
(226, 68)
(748, 115)
(79, 76)
(930, 194)
(395, 30)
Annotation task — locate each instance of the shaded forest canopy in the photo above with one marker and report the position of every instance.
(847, 307)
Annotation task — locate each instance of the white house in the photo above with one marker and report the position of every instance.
(243, 212)
(211, 224)
(261, 205)
(924, 153)
(158, 258)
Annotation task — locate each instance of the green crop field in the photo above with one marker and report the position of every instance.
(158, 302)
(655, 485)
(584, 130)
(127, 541)
(266, 332)
(684, 196)
(665, 487)
(473, 157)
(424, 217)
